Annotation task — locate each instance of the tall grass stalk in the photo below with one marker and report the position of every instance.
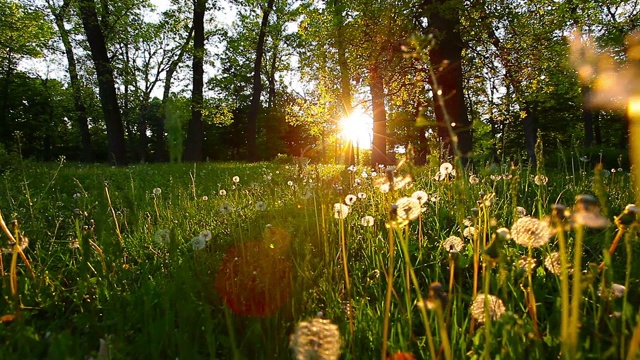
(564, 291)
(576, 294)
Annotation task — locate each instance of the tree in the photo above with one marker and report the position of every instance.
(254, 110)
(195, 133)
(106, 83)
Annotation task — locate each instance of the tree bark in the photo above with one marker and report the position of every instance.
(379, 143)
(254, 109)
(106, 83)
(195, 132)
(81, 110)
(446, 59)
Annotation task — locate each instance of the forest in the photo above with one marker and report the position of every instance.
(247, 80)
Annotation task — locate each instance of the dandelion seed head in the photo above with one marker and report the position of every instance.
(526, 263)
(469, 232)
(205, 198)
(340, 211)
(261, 206)
(453, 243)
(236, 179)
(367, 220)
(205, 235)
(225, 208)
(421, 196)
(162, 236)
(530, 232)
(552, 263)
(198, 243)
(350, 199)
(362, 195)
(446, 168)
(495, 307)
(316, 339)
(222, 192)
(157, 191)
(615, 291)
(521, 212)
(540, 180)
(473, 180)
(408, 208)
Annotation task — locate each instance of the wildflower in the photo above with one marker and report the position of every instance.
(236, 179)
(362, 195)
(473, 180)
(507, 176)
(494, 307)
(540, 180)
(613, 171)
(352, 168)
(402, 181)
(374, 174)
(408, 208)
(364, 174)
(225, 208)
(495, 177)
(469, 232)
(205, 198)
(222, 192)
(162, 236)
(552, 263)
(421, 196)
(157, 191)
(521, 212)
(290, 183)
(350, 199)
(526, 263)
(340, 211)
(367, 221)
(205, 235)
(620, 170)
(317, 339)
(531, 232)
(261, 206)
(198, 243)
(446, 168)
(453, 244)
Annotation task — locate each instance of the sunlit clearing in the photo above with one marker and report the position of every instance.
(357, 128)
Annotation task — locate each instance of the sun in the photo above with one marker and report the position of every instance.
(358, 127)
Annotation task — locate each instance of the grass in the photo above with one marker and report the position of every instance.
(93, 271)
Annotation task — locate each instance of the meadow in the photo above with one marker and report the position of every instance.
(267, 261)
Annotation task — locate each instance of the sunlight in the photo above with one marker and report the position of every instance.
(358, 128)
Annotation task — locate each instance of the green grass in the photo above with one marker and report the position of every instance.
(99, 274)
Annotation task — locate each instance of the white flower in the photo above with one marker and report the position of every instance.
(473, 180)
(198, 243)
(446, 168)
(205, 235)
(222, 192)
(528, 231)
(340, 211)
(261, 206)
(350, 199)
(352, 168)
(469, 232)
(453, 243)
(367, 221)
(77, 195)
(157, 191)
(374, 174)
(290, 183)
(364, 174)
(495, 307)
(162, 236)
(205, 198)
(236, 179)
(362, 195)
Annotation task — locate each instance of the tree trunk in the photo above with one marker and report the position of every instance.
(530, 134)
(345, 78)
(81, 110)
(379, 143)
(195, 133)
(106, 83)
(7, 133)
(161, 142)
(254, 109)
(446, 58)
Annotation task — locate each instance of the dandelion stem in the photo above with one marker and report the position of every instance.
(346, 275)
(113, 213)
(576, 295)
(564, 290)
(387, 300)
(614, 244)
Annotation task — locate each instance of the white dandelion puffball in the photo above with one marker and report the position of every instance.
(469, 232)
(222, 192)
(205, 235)
(446, 168)
(530, 232)
(495, 307)
(236, 179)
(473, 180)
(453, 244)
(157, 191)
(340, 211)
(421, 196)
(317, 339)
(540, 180)
(225, 208)
(362, 195)
(261, 206)
(162, 236)
(350, 199)
(198, 243)
(552, 263)
(408, 208)
(367, 220)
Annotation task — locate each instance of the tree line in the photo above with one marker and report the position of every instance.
(206, 79)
